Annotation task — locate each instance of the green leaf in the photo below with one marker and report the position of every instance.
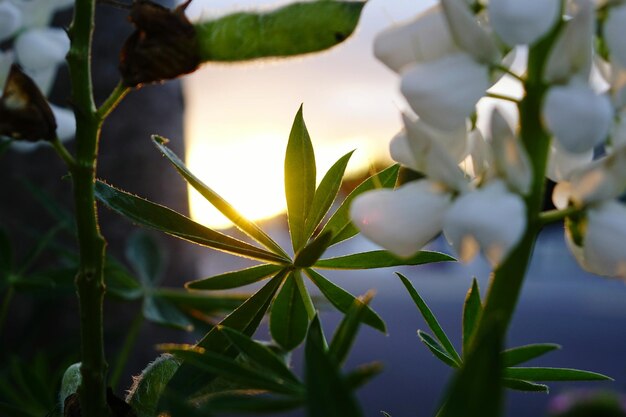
(257, 404)
(436, 349)
(199, 300)
(326, 194)
(260, 354)
(299, 180)
(313, 251)
(347, 330)
(343, 300)
(288, 318)
(363, 374)
(234, 279)
(248, 227)
(476, 388)
(554, 374)
(328, 393)
(339, 223)
(43, 242)
(226, 367)
(430, 319)
(146, 257)
(51, 205)
(472, 310)
(147, 388)
(246, 318)
(521, 354)
(521, 385)
(120, 283)
(161, 218)
(162, 312)
(380, 259)
(294, 29)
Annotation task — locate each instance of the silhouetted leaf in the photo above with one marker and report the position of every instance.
(521, 385)
(436, 349)
(554, 374)
(234, 279)
(521, 354)
(146, 257)
(346, 332)
(161, 311)
(380, 259)
(312, 252)
(472, 310)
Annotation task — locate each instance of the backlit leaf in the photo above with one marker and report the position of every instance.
(380, 259)
(288, 318)
(234, 279)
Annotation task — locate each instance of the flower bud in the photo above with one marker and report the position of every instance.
(561, 164)
(491, 219)
(578, 118)
(41, 48)
(24, 111)
(604, 179)
(163, 46)
(523, 22)
(444, 93)
(403, 220)
(423, 39)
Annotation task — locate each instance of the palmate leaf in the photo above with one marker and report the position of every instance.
(346, 332)
(521, 385)
(258, 353)
(339, 223)
(201, 301)
(288, 317)
(146, 258)
(343, 300)
(300, 174)
(326, 194)
(162, 312)
(472, 311)
(248, 227)
(363, 374)
(521, 354)
(313, 251)
(188, 380)
(380, 259)
(328, 393)
(430, 319)
(436, 349)
(161, 218)
(234, 279)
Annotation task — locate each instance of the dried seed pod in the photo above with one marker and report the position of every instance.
(24, 111)
(163, 46)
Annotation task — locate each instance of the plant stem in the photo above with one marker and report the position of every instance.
(89, 279)
(117, 95)
(306, 297)
(503, 97)
(63, 153)
(129, 342)
(553, 216)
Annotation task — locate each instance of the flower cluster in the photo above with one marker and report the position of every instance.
(475, 183)
(37, 49)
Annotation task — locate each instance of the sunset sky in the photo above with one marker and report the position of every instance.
(239, 115)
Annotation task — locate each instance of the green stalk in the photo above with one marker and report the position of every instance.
(89, 279)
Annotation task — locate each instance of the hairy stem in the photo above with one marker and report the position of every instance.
(89, 279)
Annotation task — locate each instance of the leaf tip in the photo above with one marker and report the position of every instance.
(160, 140)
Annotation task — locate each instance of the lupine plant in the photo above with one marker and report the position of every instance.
(483, 190)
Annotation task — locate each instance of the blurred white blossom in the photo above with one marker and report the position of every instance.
(523, 22)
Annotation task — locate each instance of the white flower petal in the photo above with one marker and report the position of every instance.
(468, 34)
(603, 250)
(614, 33)
(510, 158)
(425, 38)
(523, 22)
(480, 158)
(492, 219)
(66, 122)
(571, 54)
(444, 93)
(562, 195)
(6, 60)
(10, 20)
(44, 78)
(561, 164)
(579, 118)
(403, 220)
(37, 49)
(604, 179)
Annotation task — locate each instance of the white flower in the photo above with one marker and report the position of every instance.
(523, 22)
(425, 38)
(510, 159)
(10, 20)
(403, 220)
(479, 158)
(39, 49)
(6, 60)
(66, 122)
(491, 219)
(614, 33)
(579, 118)
(38, 13)
(468, 33)
(603, 250)
(561, 164)
(571, 54)
(423, 149)
(444, 93)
